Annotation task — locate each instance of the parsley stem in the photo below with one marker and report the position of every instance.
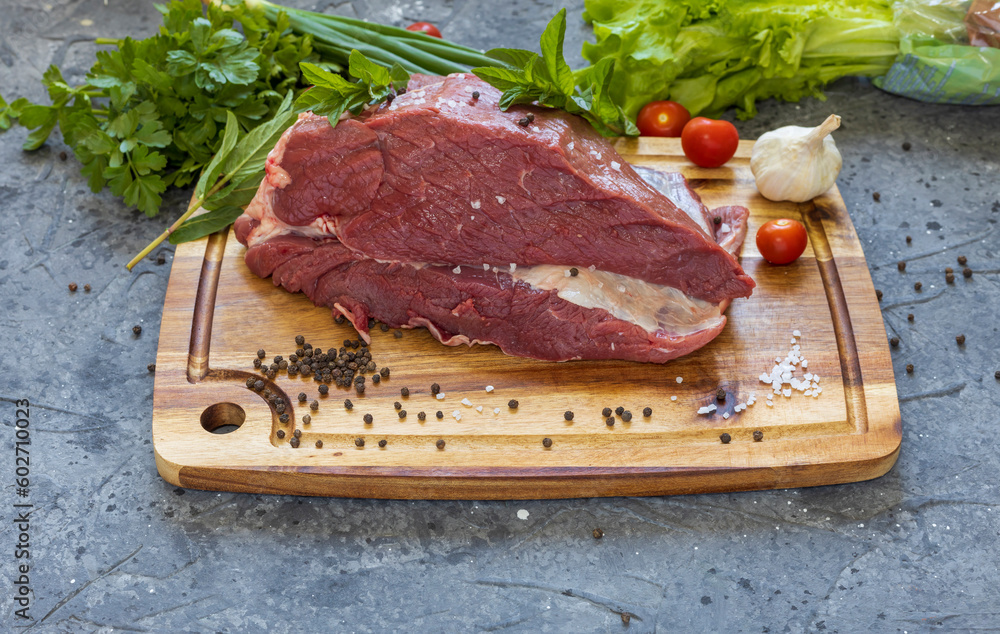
(107, 41)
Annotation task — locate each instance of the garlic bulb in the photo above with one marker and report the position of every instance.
(795, 163)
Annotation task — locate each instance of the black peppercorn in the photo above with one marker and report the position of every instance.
(294, 442)
(314, 405)
(299, 340)
(960, 340)
(909, 239)
(440, 444)
(619, 410)
(725, 438)
(86, 288)
(626, 618)
(720, 395)
(250, 382)
(949, 277)
(398, 334)
(598, 533)
(302, 397)
(758, 436)
(512, 403)
(348, 404)
(573, 272)
(319, 444)
(258, 385)
(610, 421)
(918, 286)
(297, 433)
(876, 196)
(137, 330)
(909, 317)
(901, 266)
(435, 388)
(402, 414)
(647, 411)
(523, 122)
(256, 364)
(261, 354)
(878, 294)
(717, 220)
(397, 405)
(384, 372)
(568, 415)
(475, 94)
(530, 117)
(421, 416)
(359, 388)
(359, 442)
(894, 342)
(909, 368)
(279, 408)
(271, 374)
(368, 419)
(384, 327)
(606, 411)
(996, 375)
(280, 434)
(627, 416)
(306, 419)
(966, 272)
(376, 379)
(546, 442)
(324, 389)
(405, 391)
(906, 146)
(439, 414)
(339, 319)
(962, 260)
(382, 443)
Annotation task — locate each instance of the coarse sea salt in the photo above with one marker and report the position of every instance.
(513, 267)
(479, 408)
(457, 270)
(680, 379)
(489, 388)
(615, 165)
(440, 396)
(673, 398)
(466, 402)
(496, 410)
(708, 409)
(486, 267)
(726, 415)
(457, 414)
(476, 204)
(570, 146)
(501, 199)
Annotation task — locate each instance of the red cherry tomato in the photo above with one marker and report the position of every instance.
(781, 241)
(662, 118)
(425, 27)
(708, 142)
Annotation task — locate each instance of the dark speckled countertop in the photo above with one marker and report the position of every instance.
(114, 547)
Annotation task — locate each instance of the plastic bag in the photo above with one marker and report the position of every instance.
(946, 52)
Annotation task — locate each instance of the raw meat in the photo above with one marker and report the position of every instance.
(470, 227)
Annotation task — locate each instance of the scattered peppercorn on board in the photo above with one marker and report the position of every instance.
(217, 315)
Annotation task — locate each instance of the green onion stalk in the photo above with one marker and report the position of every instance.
(335, 36)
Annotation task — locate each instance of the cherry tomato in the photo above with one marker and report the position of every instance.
(708, 142)
(662, 118)
(781, 241)
(425, 27)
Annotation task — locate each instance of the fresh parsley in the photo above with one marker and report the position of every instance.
(547, 80)
(152, 113)
(332, 95)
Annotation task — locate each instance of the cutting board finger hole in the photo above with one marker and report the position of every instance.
(223, 418)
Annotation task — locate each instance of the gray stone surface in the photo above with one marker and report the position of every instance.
(115, 547)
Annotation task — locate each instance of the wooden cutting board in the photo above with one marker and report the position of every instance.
(217, 315)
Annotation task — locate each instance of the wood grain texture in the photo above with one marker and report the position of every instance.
(217, 315)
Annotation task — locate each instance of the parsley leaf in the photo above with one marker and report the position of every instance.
(547, 80)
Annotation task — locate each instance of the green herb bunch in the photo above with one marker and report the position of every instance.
(152, 112)
(547, 80)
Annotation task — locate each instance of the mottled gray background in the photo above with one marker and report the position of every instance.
(116, 547)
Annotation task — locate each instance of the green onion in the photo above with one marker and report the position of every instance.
(335, 36)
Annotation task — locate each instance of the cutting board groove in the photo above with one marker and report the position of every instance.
(217, 314)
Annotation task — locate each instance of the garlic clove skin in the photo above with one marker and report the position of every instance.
(796, 164)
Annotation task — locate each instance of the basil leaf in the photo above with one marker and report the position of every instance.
(203, 225)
